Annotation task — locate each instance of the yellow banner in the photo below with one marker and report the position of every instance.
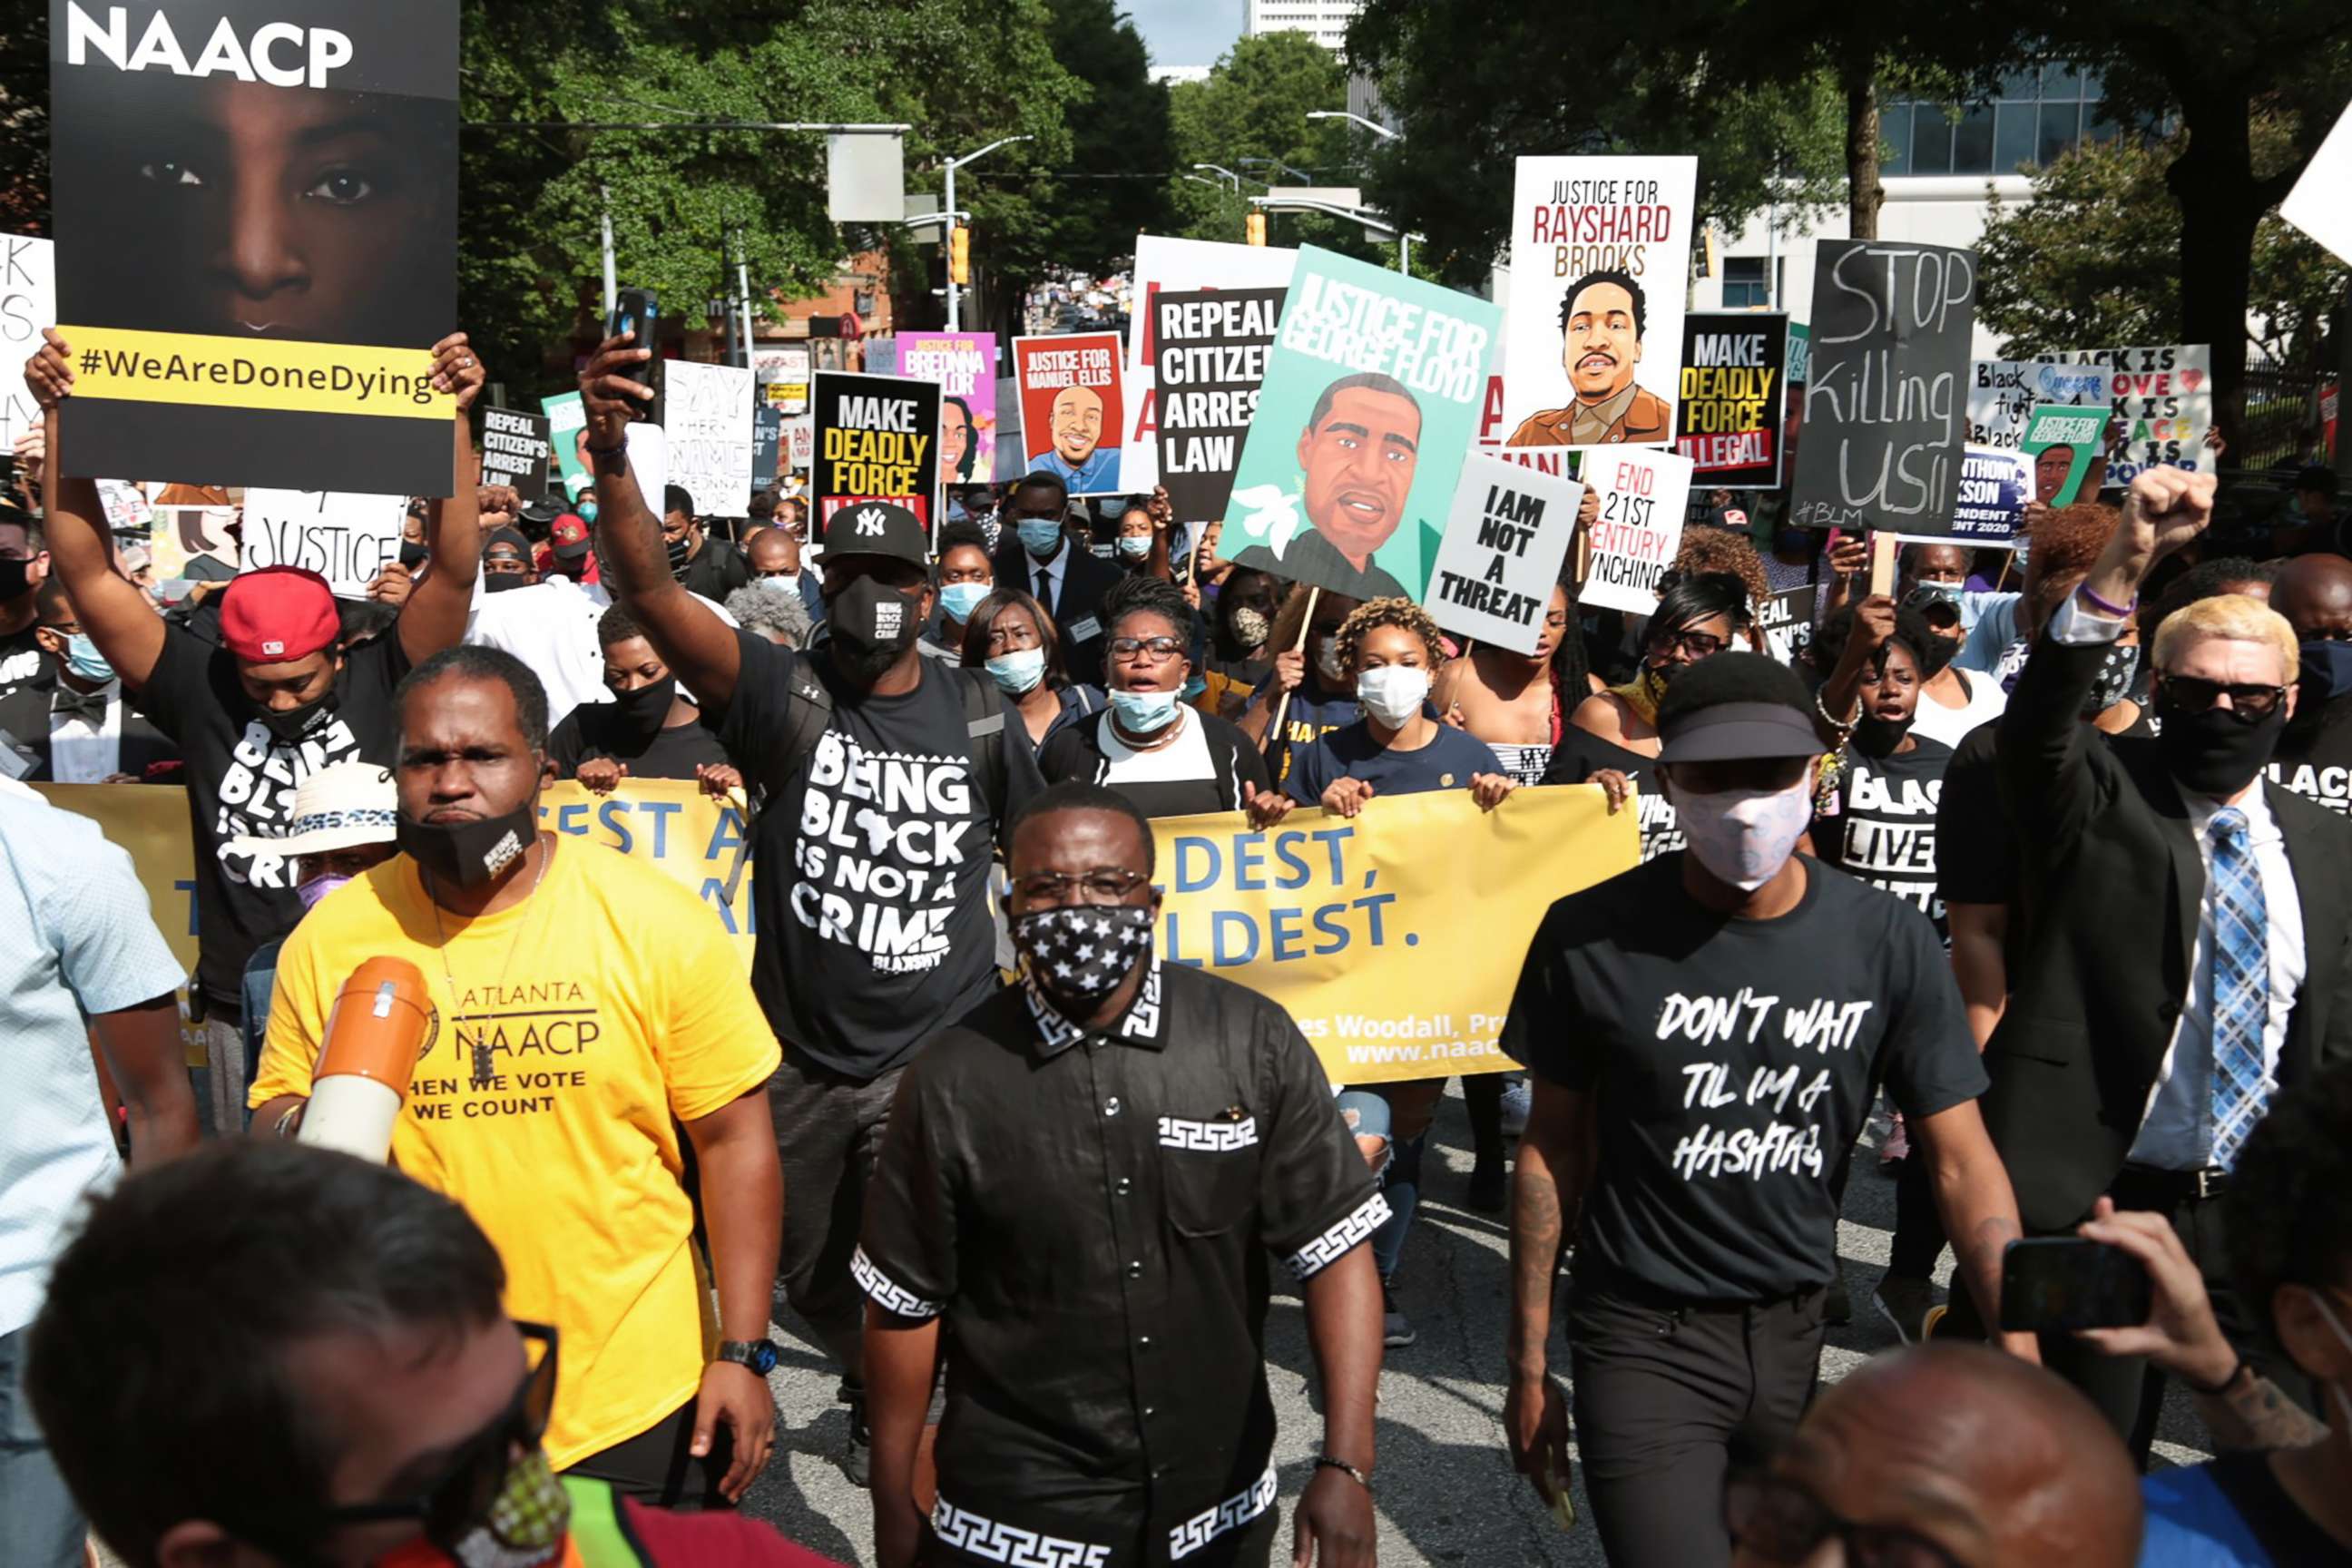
(126, 365)
(1395, 939)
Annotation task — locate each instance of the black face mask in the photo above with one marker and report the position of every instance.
(1876, 737)
(871, 625)
(679, 549)
(411, 555)
(1939, 651)
(2212, 753)
(294, 723)
(468, 854)
(504, 581)
(641, 711)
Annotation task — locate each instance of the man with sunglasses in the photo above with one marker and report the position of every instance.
(1082, 1181)
(2191, 927)
(266, 1354)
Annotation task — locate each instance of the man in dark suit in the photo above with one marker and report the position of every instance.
(66, 718)
(1068, 579)
(2192, 923)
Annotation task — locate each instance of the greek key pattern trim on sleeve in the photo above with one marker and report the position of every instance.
(887, 1293)
(1215, 1137)
(1231, 1514)
(1311, 1260)
(985, 1537)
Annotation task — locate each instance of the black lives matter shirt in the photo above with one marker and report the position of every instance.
(1879, 824)
(2318, 764)
(870, 863)
(1733, 1062)
(241, 781)
(1582, 753)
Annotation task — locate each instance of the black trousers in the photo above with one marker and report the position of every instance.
(828, 1133)
(657, 1469)
(1668, 1398)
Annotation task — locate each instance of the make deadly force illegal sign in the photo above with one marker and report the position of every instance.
(877, 438)
(1735, 394)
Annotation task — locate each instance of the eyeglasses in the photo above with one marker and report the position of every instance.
(1781, 1522)
(1160, 649)
(2249, 703)
(456, 1499)
(1698, 645)
(1103, 885)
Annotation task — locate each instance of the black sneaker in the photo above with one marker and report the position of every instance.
(1489, 1182)
(858, 1459)
(1396, 1329)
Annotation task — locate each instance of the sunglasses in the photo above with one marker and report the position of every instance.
(1698, 645)
(2249, 703)
(1781, 1522)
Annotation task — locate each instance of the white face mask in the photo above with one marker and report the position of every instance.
(1745, 835)
(1393, 693)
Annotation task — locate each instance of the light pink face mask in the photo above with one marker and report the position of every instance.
(1745, 835)
(318, 887)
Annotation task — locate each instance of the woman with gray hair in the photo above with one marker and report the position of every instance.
(772, 612)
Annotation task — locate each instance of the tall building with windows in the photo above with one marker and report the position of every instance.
(1325, 21)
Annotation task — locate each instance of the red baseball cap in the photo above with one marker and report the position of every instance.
(278, 614)
(569, 535)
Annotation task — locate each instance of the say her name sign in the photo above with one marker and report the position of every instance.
(346, 539)
(1509, 532)
(1642, 497)
(706, 417)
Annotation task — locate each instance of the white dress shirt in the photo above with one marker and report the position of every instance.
(2176, 1131)
(1057, 570)
(84, 753)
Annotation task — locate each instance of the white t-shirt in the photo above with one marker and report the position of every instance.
(1951, 725)
(551, 626)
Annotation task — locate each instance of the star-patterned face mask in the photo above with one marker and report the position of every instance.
(1078, 953)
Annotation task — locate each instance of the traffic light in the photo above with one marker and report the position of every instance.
(1256, 230)
(960, 256)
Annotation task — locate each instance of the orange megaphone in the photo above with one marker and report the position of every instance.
(382, 1021)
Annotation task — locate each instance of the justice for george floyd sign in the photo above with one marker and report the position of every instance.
(256, 211)
(1884, 421)
(1208, 357)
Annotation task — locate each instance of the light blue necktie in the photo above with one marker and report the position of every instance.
(2241, 987)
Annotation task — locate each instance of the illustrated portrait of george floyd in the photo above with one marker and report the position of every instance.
(240, 208)
(1602, 318)
(1357, 458)
(2051, 466)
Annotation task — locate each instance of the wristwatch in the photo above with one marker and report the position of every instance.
(760, 1355)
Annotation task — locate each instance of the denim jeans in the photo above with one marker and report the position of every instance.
(39, 1525)
(1368, 1116)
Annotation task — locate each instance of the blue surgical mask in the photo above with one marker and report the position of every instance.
(1041, 536)
(1144, 712)
(960, 599)
(587, 510)
(1018, 671)
(83, 660)
(1135, 546)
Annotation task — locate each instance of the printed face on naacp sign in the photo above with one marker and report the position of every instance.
(257, 231)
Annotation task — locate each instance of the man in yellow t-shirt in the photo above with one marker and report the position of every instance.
(582, 1000)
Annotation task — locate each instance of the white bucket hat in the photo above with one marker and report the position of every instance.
(339, 807)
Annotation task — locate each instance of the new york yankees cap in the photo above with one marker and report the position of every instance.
(878, 528)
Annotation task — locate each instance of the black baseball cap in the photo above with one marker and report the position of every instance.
(1734, 708)
(878, 528)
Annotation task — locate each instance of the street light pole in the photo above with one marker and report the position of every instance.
(1228, 174)
(1374, 126)
(612, 284)
(955, 295)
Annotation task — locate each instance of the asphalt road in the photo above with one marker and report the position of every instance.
(1446, 1494)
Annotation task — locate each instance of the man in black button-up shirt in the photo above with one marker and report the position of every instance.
(1085, 1179)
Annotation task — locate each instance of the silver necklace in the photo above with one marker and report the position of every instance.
(481, 1043)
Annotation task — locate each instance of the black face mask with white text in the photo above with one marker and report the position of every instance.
(871, 625)
(468, 854)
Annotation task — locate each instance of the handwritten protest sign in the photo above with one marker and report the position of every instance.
(1995, 485)
(1370, 398)
(1395, 962)
(2060, 443)
(1182, 266)
(1735, 394)
(1504, 539)
(964, 364)
(1600, 252)
(344, 538)
(1072, 411)
(1208, 358)
(1891, 328)
(1642, 497)
(877, 438)
(707, 421)
(515, 451)
(127, 511)
(28, 303)
(2161, 397)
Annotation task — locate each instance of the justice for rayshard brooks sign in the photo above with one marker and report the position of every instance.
(257, 215)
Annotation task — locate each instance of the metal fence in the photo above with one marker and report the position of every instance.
(2281, 425)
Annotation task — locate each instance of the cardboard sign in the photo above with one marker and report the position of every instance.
(707, 421)
(1643, 498)
(1072, 411)
(877, 438)
(260, 311)
(1600, 258)
(2316, 206)
(1995, 485)
(1181, 266)
(28, 303)
(1735, 396)
(1370, 402)
(782, 375)
(1504, 539)
(1882, 411)
(1208, 358)
(2061, 442)
(1786, 619)
(800, 442)
(127, 511)
(346, 539)
(2161, 398)
(964, 364)
(515, 451)
(767, 443)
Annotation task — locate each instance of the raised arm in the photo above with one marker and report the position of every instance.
(113, 611)
(434, 616)
(696, 644)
